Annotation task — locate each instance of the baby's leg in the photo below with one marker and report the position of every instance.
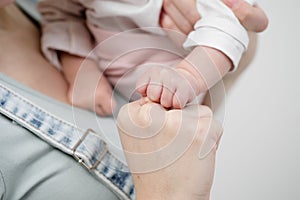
(88, 87)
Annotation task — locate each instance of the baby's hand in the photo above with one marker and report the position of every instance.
(172, 88)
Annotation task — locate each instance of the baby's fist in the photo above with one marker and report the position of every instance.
(172, 88)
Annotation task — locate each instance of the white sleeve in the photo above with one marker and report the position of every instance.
(219, 28)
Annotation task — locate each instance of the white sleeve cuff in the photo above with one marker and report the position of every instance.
(219, 28)
(219, 40)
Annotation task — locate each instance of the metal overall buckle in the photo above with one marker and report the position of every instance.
(80, 160)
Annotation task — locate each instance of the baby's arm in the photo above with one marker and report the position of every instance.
(207, 66)
(199, 71)
(220, 29)
(219, 40)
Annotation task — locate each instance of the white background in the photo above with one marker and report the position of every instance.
(259, 155)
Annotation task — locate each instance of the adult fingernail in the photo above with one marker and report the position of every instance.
(232, 3)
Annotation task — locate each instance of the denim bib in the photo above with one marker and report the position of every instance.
(87, 147)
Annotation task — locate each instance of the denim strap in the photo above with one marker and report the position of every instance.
(85, 146)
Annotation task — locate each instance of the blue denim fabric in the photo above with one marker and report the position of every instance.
(90, 148)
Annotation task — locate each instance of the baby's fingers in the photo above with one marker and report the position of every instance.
(142, 84)
(150, 84)
(166, 99)
(180, 99)
(154, 90)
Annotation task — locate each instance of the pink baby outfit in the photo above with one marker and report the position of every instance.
(123, 51)
(124, 37)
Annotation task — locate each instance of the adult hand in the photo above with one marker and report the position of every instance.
(182, 15)
(253, 18)
(170, 153)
